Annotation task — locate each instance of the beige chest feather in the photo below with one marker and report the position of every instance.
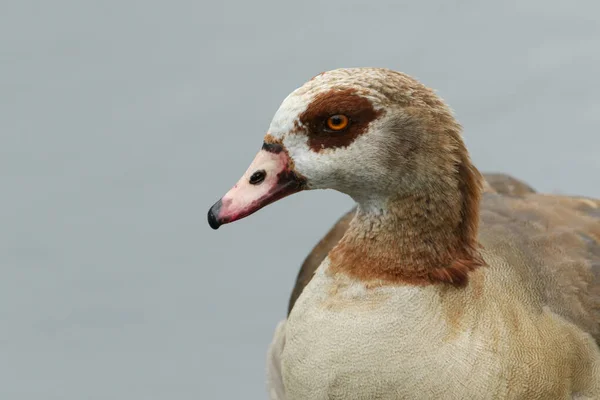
(350, 342)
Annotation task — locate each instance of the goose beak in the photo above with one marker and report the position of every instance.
(269, 178)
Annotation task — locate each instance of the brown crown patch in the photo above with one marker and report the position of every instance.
(347, 102)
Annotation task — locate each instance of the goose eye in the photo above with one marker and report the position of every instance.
(337, 122)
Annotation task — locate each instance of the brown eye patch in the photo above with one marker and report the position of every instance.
(358, 111)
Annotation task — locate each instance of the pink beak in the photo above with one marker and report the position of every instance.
(269, 178)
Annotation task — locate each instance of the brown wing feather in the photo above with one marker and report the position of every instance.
(507, 185)
(318, 254)
(553, 242)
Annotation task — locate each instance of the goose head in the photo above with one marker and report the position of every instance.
(374, 134)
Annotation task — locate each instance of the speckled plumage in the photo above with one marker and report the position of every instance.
(527, 320)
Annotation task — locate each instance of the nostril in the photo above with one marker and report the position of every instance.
(258, 177)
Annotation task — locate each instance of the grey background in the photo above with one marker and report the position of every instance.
(122, 121)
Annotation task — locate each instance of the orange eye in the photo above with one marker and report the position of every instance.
(337, 122)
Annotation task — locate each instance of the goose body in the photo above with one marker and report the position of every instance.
(438, 285)
(513, 340)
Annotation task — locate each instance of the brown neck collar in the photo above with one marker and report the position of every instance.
(423, 239)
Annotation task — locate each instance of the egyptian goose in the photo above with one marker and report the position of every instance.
(432, 288)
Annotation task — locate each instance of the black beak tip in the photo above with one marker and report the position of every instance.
(213, 220)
